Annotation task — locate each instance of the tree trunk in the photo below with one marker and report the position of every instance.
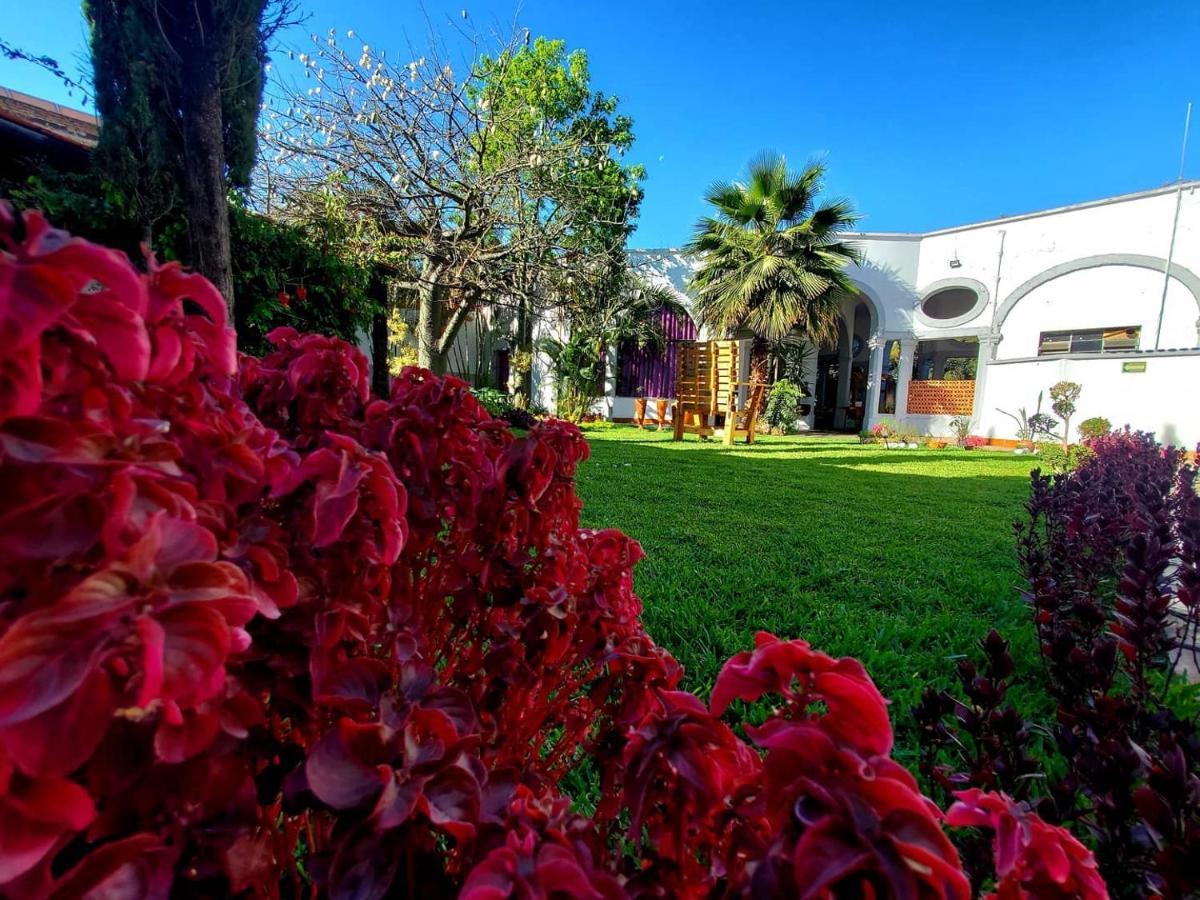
(427, 328)
(525, 344)
(206, 201)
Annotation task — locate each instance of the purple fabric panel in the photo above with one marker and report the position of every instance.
(653, 369)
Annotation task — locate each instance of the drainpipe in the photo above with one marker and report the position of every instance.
(996, 288)
(1162, 306)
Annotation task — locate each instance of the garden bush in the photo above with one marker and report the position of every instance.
(1096, 426)
(1111, 554)
(501, 406)
(265, 634)
(783, 406)
(961, 428)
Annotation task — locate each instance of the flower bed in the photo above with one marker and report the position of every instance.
(307, 640)
(1111, 553)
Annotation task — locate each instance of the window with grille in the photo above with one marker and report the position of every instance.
(1090, 340)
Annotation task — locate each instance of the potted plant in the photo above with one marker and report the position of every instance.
(660, 407)
(639, 409)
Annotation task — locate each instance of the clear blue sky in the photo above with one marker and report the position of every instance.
(928, 114)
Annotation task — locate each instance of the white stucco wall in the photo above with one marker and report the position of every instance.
(1092, 265)
(1102, 297)
(1158, 400)
(1032, 245)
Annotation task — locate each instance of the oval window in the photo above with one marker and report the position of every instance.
(949, 303)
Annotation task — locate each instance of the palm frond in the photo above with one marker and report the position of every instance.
(770, 257)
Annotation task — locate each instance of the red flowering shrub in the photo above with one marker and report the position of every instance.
(1111, 554)
(1032, 859)
(263, 633)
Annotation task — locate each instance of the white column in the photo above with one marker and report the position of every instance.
(987, 352)
(610, 381)
(845, 362)
(904, 376)
(874, 380)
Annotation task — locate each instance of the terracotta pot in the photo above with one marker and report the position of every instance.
(639, 412)
(660, 407)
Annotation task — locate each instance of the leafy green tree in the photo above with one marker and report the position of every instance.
(772, 256)
(484, 182)
(178, 84)
(573, 218)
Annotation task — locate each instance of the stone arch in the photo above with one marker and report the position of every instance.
(1184, 276)
(867, 297)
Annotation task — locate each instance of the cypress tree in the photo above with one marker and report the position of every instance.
(178, 88)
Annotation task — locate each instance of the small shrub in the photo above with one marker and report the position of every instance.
(973, 442)
(960, 427)
(1061, 460)
(868, 436)
(1096, 426)
(884, 431)
(493, 400)
(1111, 556)
(520, 418)
(783, 406)
(1031, 428)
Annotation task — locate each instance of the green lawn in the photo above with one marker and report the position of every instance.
(903, 558)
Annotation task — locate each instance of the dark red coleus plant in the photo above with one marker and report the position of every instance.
(1111, 555)
(262, 633)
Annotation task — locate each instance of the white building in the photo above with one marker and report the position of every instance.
(1079, 293)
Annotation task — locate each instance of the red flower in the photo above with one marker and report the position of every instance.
(1033, 858)
(856, 713)
(301, 293)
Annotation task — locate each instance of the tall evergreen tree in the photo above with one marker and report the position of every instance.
(178, 87)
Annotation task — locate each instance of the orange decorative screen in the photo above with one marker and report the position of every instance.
(941, 398)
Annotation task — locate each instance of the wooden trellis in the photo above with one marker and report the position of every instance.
(707, 385)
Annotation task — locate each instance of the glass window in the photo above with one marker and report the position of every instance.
(1090, 340)
(949, 303)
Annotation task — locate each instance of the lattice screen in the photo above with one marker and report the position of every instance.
(941, 398)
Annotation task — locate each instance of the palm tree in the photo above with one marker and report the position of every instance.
(770, 258)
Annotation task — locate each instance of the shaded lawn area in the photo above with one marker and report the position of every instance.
(902, 558)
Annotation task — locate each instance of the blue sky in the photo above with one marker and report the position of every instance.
(928, 114)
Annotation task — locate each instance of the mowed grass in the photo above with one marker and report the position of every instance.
(902, 558)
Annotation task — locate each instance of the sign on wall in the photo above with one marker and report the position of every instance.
(1133, 366)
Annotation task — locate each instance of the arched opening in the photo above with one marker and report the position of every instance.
(843, 371)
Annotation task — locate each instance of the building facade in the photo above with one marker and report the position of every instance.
(980, 320)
